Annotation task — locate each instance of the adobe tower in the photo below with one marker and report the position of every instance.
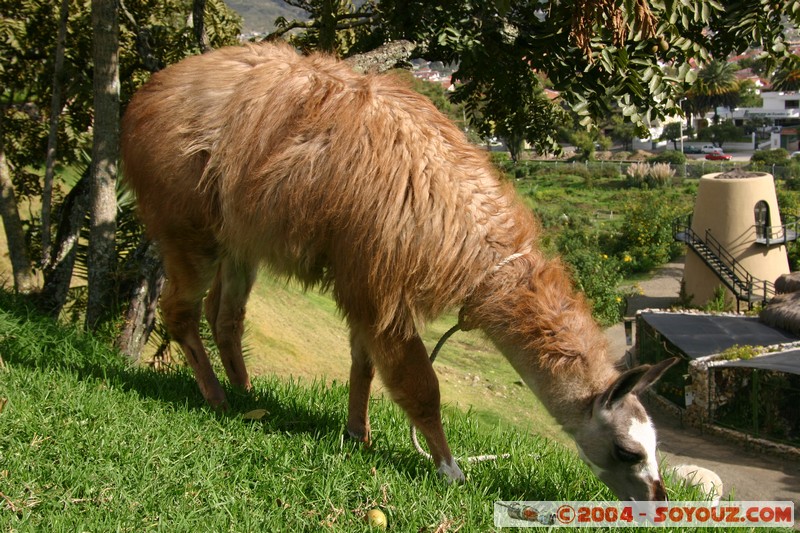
(742, 242)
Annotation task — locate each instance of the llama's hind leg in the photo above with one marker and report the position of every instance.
(225, 310)
(361, 373)
(188, 278)
(405, 368)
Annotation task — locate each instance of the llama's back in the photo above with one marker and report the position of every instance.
(324, 174)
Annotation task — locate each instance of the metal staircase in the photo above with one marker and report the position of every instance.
(733, 275)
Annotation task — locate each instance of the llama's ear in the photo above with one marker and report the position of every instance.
(654, 373)
(634, 381)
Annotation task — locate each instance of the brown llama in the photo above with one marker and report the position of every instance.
(256, 155)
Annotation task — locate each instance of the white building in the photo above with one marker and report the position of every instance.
(783, 108)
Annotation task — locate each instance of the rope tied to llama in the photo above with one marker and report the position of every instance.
(444, 338)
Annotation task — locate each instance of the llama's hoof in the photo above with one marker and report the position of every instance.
(361, 436)
(450, 471)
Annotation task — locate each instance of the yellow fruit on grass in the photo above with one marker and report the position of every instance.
(375, 517)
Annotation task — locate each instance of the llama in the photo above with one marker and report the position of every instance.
(255, 155)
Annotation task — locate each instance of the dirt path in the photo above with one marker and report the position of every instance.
(746, 475)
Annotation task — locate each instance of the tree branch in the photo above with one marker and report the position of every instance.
(143, 47)
(366, 18)
(382, 58)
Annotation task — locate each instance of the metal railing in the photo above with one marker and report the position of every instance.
(744, 286)
(775, 235)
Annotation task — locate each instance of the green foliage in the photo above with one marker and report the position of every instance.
(766, 158)
(736, 352)
(337, 25)
(597, 274)
(672, 157)
(719, 301)
(749, 94)
(152, 35)
(787, 77)
(639, 60)
(672, 132)
(716, 86)
(624, 131)
(721, 133)
(438, 96)
(646, 232)
(584, 141)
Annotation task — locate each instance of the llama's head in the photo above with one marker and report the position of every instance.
(619, 443)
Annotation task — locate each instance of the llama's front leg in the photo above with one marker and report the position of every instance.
(361, 373)
(225, 310)
(407, 372)
(182, 318)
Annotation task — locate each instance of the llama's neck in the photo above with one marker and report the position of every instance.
(531, 311)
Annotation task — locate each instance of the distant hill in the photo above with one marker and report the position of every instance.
(259, 15)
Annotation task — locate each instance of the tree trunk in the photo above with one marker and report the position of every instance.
(140, 317)
(327, 25)
(105, 156)
(52, 140)
(198, 24)
(24, 279)
(58, 275)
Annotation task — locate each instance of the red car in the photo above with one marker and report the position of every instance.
(718, 156)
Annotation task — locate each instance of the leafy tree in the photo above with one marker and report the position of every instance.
(716, 86)
(635, 55)
(333, 28)
(152, 34)
(584, 142)
(673, 131)
(52, 139)
(105, 159)
(24, 280)
(721, 133)
(749, 95)
(623, 131)
(787, 77)
(756, 64)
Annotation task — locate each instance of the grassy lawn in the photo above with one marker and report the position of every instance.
(88, 443)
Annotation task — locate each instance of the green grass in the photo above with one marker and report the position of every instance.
(89, 443)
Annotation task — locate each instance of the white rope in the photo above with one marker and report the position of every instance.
(507, 260)
(470, 459)
(448, 333)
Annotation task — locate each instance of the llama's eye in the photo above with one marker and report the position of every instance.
(627, 456)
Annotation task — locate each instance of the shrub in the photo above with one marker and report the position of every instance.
(608, 172)
(596, 273)
(767, 158)
(646, 232)
(669, 156)
(650, 175)
(736, 352)
(660, 174)
(636, 175)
